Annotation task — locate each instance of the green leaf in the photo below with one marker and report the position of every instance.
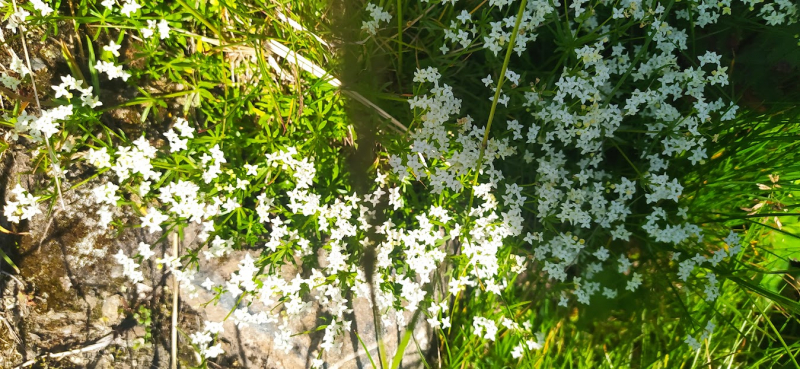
(8, 259)
(92, 71)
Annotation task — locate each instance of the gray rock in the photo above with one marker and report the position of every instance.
(111, 308)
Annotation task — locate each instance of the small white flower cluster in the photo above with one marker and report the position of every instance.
(532, 345)
(244, 280)
(129, 267)
(786, 12)
(44, 126)
(694, 343)
(18, 66)
(162, 27)
(183, 200)
(377, 16)
(153, 219)
(113, 48)
(204, 339)
(130, 160)
(219, 247)
(775, 12)
(578, 193)
(8, 81)
(303, 170)
(70, 83)
(435, 310)
(213, 163)
(106, 194)
(534, 16)
(175, 142)
(184, 276)
(687, 266)
(454, 34)
(24, 208)
(144, 251)
(43, 8)
(418, 252)
(128, 7)
(484, 327)
(112, 70)
(18, 20)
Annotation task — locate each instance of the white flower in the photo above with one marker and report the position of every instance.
(395, 198)
(147, 32)
(512, 76)
(61, 91)
(17, 20)
(377, 16)
(130, 7)
(129, 267)
(624, 264)
(108, 4)
(464, 17)
(534, 345)
(113, 71)
(70, 82)
(182, 125)
(634, 283)
(252, 170)
(106, 194)
(692, 342)
(106, 216)
(153, 219)
(230, 205)
(163, 29)
(446, 322)
(175, 143)
(144, 250)
(113, 48)
(208, 284)
(601, 253)
(517, 352)
(99, 158)
(24, 208)
(144, 188)
(87, 99)
(480, 324)
(42, 7)
(503, 99)
(17, 65)
(9, 81)
(213, 351)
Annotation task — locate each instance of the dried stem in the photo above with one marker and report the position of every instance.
(175, 292)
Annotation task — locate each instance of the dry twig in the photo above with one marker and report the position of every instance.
(101, 344)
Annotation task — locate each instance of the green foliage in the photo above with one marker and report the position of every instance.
(218, 71)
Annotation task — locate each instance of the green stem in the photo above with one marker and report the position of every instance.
(203, 20)
(399, 39)
(500, 81)
(401, 348)
(778, 334)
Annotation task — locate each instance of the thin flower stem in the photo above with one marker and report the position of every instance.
(489, 124)
(39, 106)
(500, 81)
(777, 333)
